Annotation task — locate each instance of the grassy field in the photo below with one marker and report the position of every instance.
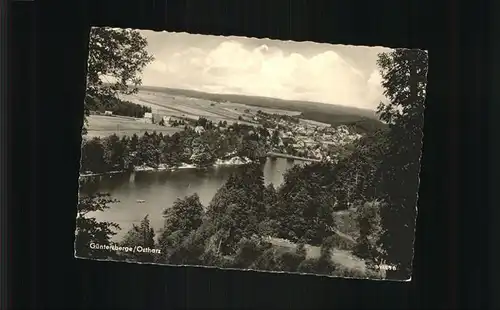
(346, 233)
(100, 126)
(265, 102)
(229, 108)
(342, 257)
(182, 106)
(362, 120)
(313, 123)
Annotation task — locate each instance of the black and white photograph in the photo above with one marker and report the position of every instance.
(250, 154)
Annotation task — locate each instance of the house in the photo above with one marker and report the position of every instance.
(170, 118)
(108, 113)
(287, 140)
(317, 153)
(300, 144)
(301, 131)
(199, 129)
(343, 129)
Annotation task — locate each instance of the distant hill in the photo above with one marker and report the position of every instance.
(362, 120)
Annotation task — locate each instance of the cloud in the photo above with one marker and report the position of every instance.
(266, 70)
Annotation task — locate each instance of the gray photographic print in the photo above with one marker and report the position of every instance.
(250, 154)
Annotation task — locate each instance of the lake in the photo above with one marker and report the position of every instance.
(159, 189)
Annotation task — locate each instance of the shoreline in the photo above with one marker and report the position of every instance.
(287, 156)
(234, 161)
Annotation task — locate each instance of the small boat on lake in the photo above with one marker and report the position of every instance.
(141, 201)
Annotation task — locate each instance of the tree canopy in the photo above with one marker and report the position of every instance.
(89, 230)
(140, 235)
(116, 58)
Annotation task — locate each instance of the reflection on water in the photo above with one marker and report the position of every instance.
(160, 189)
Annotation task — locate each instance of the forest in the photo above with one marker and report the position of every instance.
(112, 154)
(362, 121)
(377, 180)
(118, 107)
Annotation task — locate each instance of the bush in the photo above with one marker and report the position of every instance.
(346, 222)
(266, 261)
(289, 261)
(211, 258)
(317, 266)
(345, 272)
(248, 250)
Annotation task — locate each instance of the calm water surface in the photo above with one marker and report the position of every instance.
(161, 189)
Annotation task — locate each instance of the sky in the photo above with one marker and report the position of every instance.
(334, 74)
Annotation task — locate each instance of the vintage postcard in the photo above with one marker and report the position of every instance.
(251, 154)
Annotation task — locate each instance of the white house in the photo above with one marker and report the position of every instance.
(199, 129)
(148, 117)
(171, 118)
(343, 129)
(317, 154)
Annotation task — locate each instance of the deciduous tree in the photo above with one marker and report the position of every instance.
(185, 215)
(140, 235)
(115, 153)
(115, 63)
(92, 158)
(91, 231)
(368, 218)
(404, 78)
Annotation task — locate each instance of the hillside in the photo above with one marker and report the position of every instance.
(360, 119)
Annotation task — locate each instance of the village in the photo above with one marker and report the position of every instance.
(304, 138)
(288, 135)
